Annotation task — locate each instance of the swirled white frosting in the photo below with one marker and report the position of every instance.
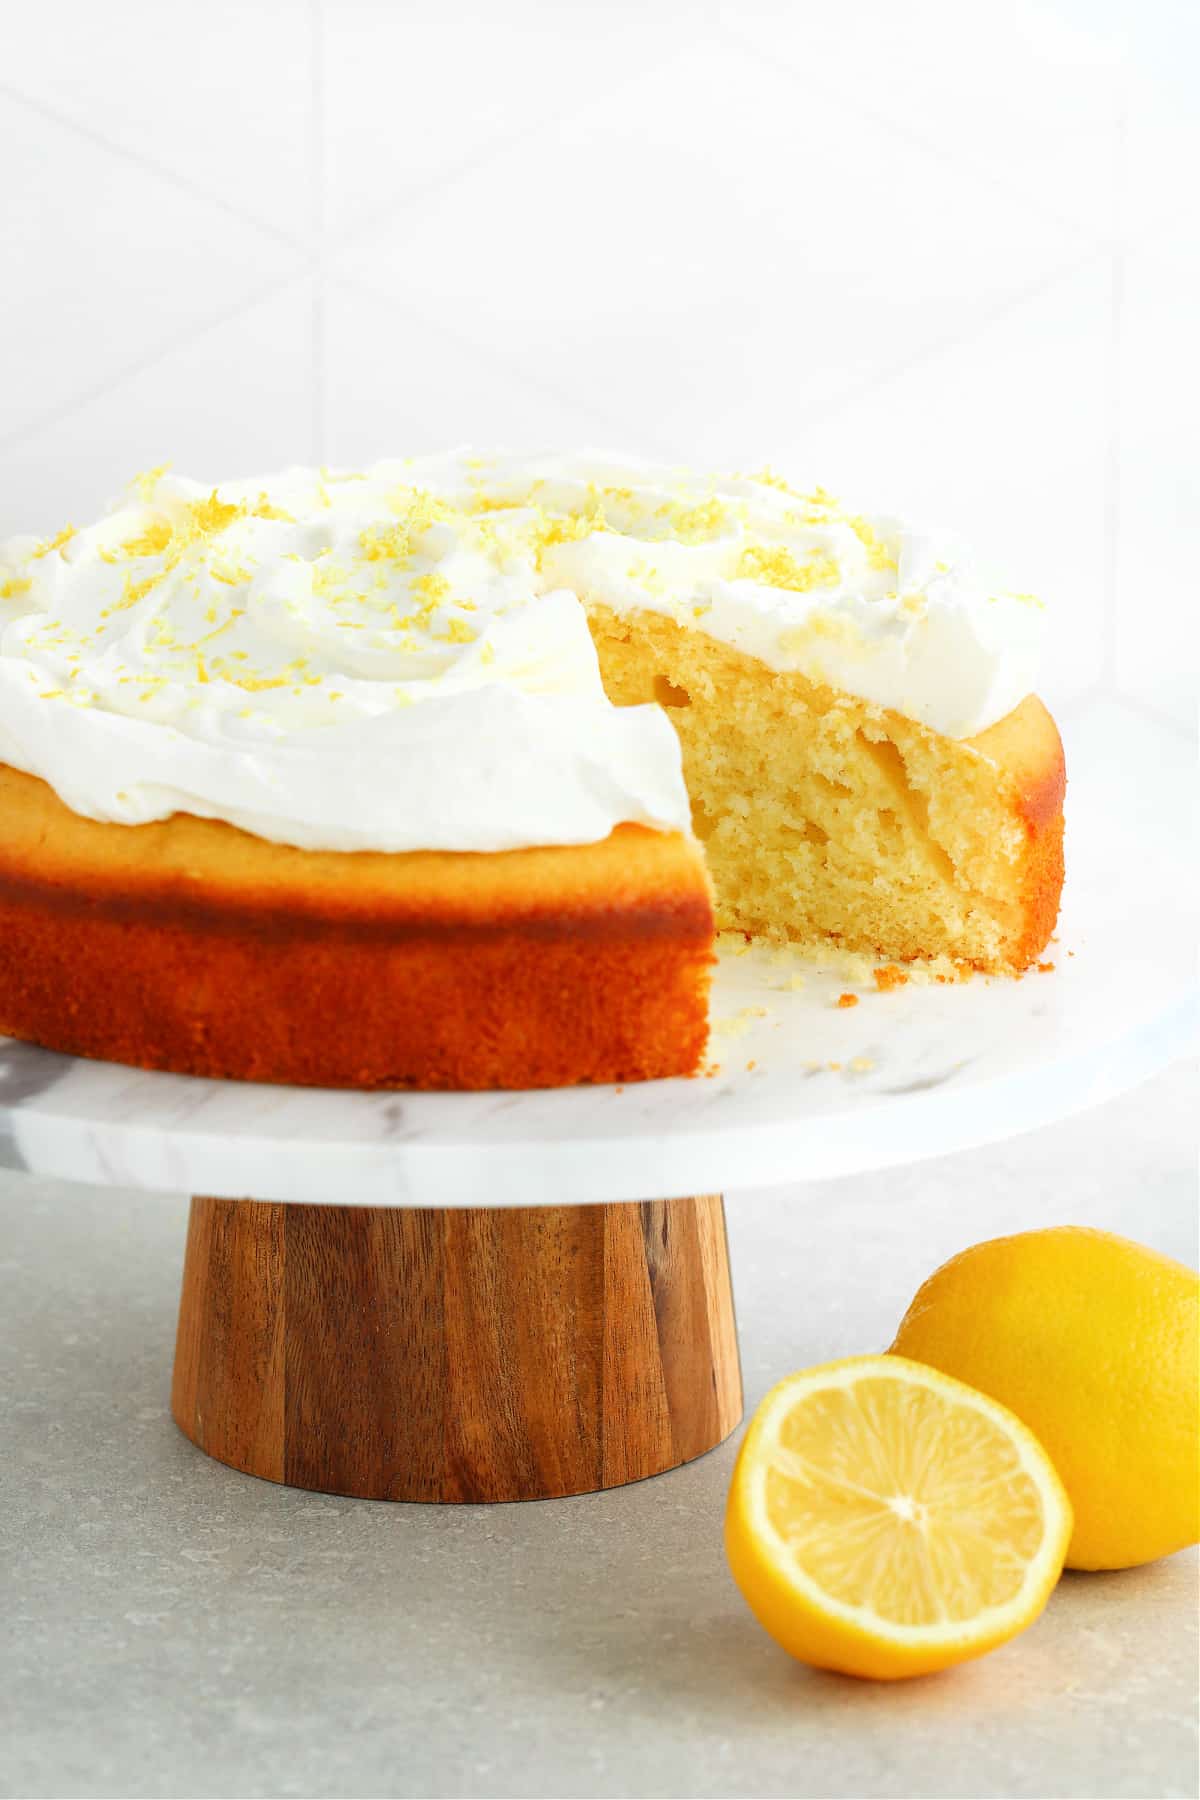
(399, 658)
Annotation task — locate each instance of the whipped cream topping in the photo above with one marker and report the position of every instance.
(399, 658)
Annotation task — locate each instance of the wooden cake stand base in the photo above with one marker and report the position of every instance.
(456, 1354)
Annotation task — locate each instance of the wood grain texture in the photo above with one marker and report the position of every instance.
(228, 1387)
(456, 1355)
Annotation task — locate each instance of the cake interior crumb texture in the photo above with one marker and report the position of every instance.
(827, 820)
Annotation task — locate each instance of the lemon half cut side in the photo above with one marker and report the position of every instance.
(886, 1520)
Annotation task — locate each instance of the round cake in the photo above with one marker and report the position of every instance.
(443, 773)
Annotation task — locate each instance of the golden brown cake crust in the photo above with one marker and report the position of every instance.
(192, 946)
(1027, 744)
(189, 945)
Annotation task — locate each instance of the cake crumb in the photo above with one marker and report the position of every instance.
(889, 977)
(847, 999)
(1045, 968)
(735, 942)
(861, 1064)
(738, 1024)
(835, 1066)
(751, 1065)
(823, 958)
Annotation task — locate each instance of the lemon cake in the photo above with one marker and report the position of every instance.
(441, 773)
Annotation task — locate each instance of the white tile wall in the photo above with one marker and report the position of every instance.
(217, 96)
(233, 394)
(1158, 501)
(938, 254)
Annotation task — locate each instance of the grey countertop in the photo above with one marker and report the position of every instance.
(174, 1628)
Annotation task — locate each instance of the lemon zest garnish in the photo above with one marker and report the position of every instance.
(459, 632)
(329, 580)
(225, 624)
(821, 506)
(132, 592)
(385, 544)
(57, 542)
(701, 523)
(258, 684)
(432, 587)
(488, 503)
(646, 575)
(879, 556)
(148, 480)
(155, 538)
(231, 577)
(207, 517)
(263, 509)
(415, 512)
(776, 567)
(768, 478)
(568, 528)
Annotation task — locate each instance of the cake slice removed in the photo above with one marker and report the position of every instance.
(826, 819)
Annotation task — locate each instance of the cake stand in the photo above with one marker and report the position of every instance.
(498, 1296)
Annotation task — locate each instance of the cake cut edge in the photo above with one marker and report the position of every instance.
(833, 822)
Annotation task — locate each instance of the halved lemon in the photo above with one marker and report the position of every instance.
(887, 1520)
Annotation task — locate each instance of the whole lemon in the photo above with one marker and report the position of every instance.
(1092, 1341)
